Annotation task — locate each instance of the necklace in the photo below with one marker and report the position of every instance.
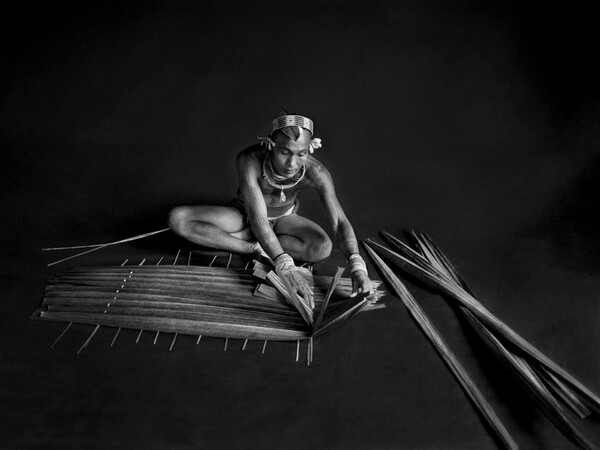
(280, 178)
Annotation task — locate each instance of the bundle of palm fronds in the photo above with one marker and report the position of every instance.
(550, 386)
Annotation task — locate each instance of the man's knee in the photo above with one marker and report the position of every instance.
(318, 249)
(179, 219)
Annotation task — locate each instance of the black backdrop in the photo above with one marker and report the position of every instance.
(476, 122)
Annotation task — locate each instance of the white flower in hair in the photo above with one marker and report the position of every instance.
(315, 144)
(266, 141)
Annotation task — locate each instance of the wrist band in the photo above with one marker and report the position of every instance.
(284, 263)
(282, 253)
(356, 263)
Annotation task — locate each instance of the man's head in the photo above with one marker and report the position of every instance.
(293, 127)
(289, 154)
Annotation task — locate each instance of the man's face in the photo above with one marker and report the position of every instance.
(288, 156)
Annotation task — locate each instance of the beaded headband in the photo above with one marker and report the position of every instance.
(291, 120)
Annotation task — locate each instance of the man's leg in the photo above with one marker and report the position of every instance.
(220, 227)
(302, 239)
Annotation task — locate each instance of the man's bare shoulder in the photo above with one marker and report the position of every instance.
(250, 157)
(317, 173)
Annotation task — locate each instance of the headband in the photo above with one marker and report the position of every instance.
(291, 120)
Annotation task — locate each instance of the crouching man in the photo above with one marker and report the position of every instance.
(263, 218)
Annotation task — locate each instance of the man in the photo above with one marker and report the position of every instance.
(263, 219)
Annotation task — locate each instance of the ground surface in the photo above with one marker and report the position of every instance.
(375, 383)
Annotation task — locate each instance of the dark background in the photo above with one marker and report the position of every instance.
(476, 122)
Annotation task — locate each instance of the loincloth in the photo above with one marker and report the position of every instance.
(273, 219)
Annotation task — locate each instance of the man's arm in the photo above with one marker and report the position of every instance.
(248, 169)
(342, 230)
(248, 173)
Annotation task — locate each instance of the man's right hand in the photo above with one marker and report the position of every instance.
(285, 268)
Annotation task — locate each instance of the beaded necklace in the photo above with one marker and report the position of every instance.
(276, 177)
